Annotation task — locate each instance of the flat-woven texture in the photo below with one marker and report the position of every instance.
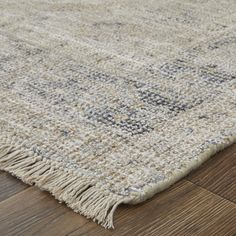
(104, 102)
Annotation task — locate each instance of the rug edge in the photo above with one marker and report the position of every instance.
(150, 190)
(77, 192)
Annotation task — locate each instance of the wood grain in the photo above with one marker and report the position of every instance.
(28, 211)
(218, 175)
(195, 205)
(10, 185)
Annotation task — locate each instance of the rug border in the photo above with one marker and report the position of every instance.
(80, 193)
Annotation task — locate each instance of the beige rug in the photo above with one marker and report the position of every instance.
(104, 102)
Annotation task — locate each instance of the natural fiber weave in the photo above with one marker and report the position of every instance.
(105, 102)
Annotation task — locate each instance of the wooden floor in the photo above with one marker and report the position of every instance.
(203, 203)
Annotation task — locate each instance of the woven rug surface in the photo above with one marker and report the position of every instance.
(104, 102)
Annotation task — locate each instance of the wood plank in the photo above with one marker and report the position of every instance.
(184, 209)
(218, 174)
(9, 185)
(29, 211)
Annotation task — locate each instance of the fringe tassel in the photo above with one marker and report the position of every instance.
(78, 192)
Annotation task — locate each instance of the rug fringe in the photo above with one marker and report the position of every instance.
(78, 192)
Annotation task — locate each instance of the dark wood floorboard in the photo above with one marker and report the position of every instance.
(203, 203)
(10, 185)
(218, 175)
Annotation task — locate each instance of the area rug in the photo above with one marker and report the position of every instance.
(104, 102)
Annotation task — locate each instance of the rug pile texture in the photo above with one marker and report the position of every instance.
(104, 102)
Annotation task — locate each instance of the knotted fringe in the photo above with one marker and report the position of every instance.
(78, 192)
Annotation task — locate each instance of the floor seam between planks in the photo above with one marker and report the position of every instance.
(216, 194)
(20, 192)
